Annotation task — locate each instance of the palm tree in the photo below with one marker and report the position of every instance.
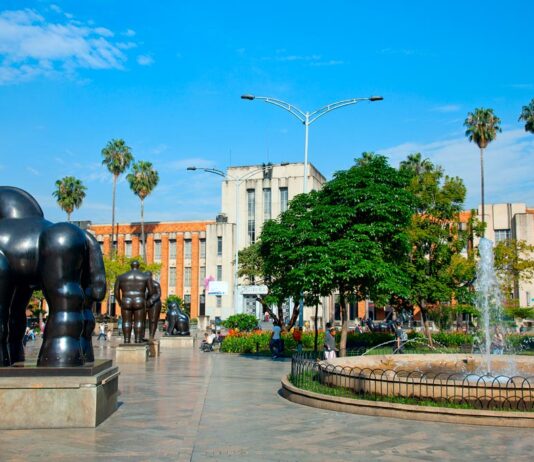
(416, 164)
(482, 127)
(527, 116)
(117, 158)
(143, 179)
(70, 193)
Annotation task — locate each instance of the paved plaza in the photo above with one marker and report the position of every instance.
(193, 406)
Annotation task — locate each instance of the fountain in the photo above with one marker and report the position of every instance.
(488, 300)
(486, 381)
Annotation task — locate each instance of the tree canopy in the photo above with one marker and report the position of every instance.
(69, 193)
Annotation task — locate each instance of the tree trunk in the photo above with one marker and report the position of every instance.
(280, 310)
(316, 337)
(68, 217)
(424, 320)
(111, 247)
(294, 316)
(267, 308)
(143, 230)
(482, 191)
(344, 326)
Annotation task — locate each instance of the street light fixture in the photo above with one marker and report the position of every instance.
(238, 181)
(307, 118)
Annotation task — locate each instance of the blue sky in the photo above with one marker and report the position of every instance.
(166, 76)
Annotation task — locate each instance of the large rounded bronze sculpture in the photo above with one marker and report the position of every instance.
(63, 261)
(177, 320)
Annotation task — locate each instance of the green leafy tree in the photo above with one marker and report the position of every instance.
(482, 126)
(295, 264)
(117, 157)
(514, 266)
(69, 193)
(435, 266)
(362, 215)
(143, 179)
(242, 322)
(527, 116)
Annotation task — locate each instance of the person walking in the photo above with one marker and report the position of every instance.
(401, 337)
(330, 343)
(275, 344)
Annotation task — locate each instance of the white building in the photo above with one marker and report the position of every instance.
(512, 221)
(251, 195)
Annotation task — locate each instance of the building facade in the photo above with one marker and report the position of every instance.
(512, 221)
(180, 248)
(250, 196)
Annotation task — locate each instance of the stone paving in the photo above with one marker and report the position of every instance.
(193, 406)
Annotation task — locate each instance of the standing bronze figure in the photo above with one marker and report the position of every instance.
(63, 261)
(131, 291)
(154, 309)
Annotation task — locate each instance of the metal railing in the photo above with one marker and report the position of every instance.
(461, 389)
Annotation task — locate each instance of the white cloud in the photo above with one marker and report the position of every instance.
(129, 33)
(33, 171)
(508, 165)
(145, 60)
(30, 47)
(446, 108)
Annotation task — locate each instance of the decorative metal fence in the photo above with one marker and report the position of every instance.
(461, 389)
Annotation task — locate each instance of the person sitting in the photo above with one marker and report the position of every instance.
(207, 343)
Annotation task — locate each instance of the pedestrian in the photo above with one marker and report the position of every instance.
(330, 344)
(401, 337)
(102, 333)
(497, 342)
(275, 344)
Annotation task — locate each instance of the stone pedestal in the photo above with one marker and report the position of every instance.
(132, 353)
(176, 342)
(153, 348)
(34, 397)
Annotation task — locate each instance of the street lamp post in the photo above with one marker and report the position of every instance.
(238, 182)
(307, 118)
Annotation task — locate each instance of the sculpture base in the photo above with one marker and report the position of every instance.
(153, 348)
(132, 353)
(172, 342)
(48, 397)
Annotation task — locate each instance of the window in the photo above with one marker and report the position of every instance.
(187, 303)
(172, 276)
(202, 248)
(187, 248)
(157, 250)
(128, 248)
(187, 276)
(266, 204)
(219, 272)
(502, 235)
(219, 246)
(202, 275)
(283, 199)
(172, 249)
(202, 305)
(219, 301)
(251, 207)
(528, 298)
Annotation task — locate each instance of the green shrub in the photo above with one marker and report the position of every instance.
(453, 339)
(258, 341)
(242, 322)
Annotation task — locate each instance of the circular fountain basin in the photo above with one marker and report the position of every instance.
(456, 378)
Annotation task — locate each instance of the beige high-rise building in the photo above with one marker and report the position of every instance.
(512, 221)
(251, 195)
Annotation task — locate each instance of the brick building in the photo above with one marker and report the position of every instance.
(180, 247)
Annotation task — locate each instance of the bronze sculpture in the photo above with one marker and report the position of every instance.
(154, 309)
(63, 261)
(131, 290)
(177, 320)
